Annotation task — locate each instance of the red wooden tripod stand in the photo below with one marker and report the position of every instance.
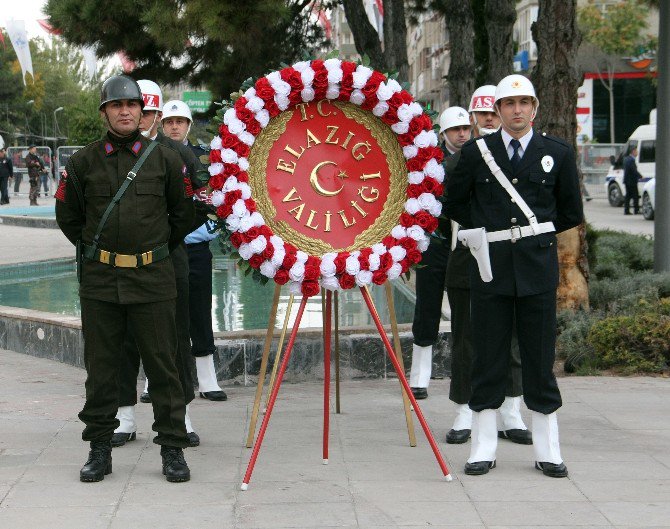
(326, 389)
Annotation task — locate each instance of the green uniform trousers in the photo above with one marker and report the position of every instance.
(105, 326)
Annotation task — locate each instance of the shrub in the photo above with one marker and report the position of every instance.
(615, 254)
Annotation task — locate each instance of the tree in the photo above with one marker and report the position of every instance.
(461, 75)
(556, 78)
(617, 32)
(500, 18)
(212, 43)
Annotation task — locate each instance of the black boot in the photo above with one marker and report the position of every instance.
(175, 468)
(99, 462)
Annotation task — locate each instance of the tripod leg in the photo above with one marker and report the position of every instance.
(405, 385)
(273, 396)
(326, 374)
(280, 345)
(264, 366)
(337, 352)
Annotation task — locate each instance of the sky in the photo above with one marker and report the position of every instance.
(27, 10)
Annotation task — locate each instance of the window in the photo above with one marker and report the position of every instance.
(648, 151)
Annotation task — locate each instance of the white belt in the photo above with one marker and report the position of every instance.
(519, 232)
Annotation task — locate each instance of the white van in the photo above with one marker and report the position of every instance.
(644, 138)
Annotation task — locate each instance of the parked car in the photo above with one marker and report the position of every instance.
(644, 138)
(649, 199)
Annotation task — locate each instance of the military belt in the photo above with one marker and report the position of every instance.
(120, 260)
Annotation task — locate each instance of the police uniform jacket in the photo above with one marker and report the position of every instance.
(154, 210)
(460, 260)
(6, 167)
(476, 199)
(630, 173)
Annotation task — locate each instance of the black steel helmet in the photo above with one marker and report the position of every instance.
(120, 87)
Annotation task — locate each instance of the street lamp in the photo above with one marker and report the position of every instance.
(56, 126)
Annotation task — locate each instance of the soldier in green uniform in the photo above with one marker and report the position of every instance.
(35, 167)
(127, 281)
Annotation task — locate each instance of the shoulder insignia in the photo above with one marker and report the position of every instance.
(60, 192)
(109, 148)
(188, 186)
(136, 146)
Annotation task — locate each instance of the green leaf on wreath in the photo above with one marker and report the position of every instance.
(333, 54)
(365, 61)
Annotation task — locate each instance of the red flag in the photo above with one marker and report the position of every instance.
(127, 64)
(44, 24)
(2, 39)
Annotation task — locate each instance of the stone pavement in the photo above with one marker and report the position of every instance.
(615, 437)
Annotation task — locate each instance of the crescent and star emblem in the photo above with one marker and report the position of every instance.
(314, 180)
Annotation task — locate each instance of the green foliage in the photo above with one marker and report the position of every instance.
(84, 122)
(615, 255)
(618, 30)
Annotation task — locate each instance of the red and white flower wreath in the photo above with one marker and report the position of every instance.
(275, 258)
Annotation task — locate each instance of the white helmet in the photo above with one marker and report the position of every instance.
(454, 117)
(152, 95)
(483, 98)
(516, 85)
(176, 108)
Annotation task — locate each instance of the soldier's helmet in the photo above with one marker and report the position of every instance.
(454, 117)
(516, 85)
(120, 87)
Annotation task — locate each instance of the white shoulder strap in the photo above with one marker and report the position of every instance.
(502, 179)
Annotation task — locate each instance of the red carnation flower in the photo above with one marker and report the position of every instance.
(229, 141)
(406, 220)
(416, 164)
(264, 90)
(224, 211)
(250, 234)
(310, 288)
(289, 260)
(281, 277)
(407, 243)
(216, 181)
(243, 150)
(254, 127)
(242, 177)
(215, 156)
(269, 251)
(311, 272)
(272, 108)
(414, 256)
(414, 190)
(244, 115)
(237, 239)
(240, 103)
(265, 231)
(347, 281)
(231, 169)
(256, 261)
(341, 262)
(379, 277)
(232, 197)
(250, 204)
(385, 262)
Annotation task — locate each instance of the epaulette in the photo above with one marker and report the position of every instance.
(556, 139)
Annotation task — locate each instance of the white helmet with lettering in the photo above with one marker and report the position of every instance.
(176, 109)
(152, 95)
(454, 117)
(483, 98)
(516, 85)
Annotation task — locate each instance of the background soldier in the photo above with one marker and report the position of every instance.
(127, 282)
(484, 121)
(35, 166)
(540, 197)
(455, 130)
(176, 122)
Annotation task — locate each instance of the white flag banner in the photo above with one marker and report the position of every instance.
(90, 60)
(16, 29)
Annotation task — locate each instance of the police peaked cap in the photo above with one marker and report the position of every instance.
(120, 87)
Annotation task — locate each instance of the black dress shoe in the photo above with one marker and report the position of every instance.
(420, 393)
(479, 467)
(552, 470)
(214, 395)
(193, 439)
(99, 462)
(121, 438)
(145, 397)
(458, 437)
(517, 435)
(175, 468)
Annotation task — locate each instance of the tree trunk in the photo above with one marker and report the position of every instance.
(365, 35)
(500, 18)
(395, 38)
(461, 77)
(556, 78)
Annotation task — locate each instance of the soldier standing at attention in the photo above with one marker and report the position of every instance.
(484, 121)
(455, 130)
(35, 166)
(123, 200)
(512, 191)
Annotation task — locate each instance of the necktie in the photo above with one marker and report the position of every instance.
(515, 156)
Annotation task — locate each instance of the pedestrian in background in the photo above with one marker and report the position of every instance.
(631, 176)
(35, 168)
(6, 173)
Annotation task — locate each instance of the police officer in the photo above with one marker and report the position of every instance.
(484, 121)
(455, 130)
(176, 122)
(6, 174)
(124, 201)
(35, 166)
(153, 102)
(631, 176)
(540, 198)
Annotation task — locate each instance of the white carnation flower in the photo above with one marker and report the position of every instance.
(426, 200)
(333, 91)
(412, 206)
(245, 251)
(335, 73)
(352, 265)
(243, 163)
(258, 244)
(416, 232)
(361, 76)
(246, 223)
(405, 113)
(236, 126)
(263, 117)
(215, 144)
(398, 232)
(330, 283)
(245, 189)
(423, 244)
(327, 268)
(380, 109)
(277, 242)
(247, 138)
(282, 101)
(273, 77)
(394, 85)
(268, 269)
(231, 184)
(228, 156)
(255, 104)
(394, 272)
(301, 66)
(432, 168)
(282, 88)
(357, 97)
(415, 177)
(400, 127)
(436, 209)
(363, 278)
(410, 151)
(379, 248)
(215, 168)
(295, 288)
(251, 92)
(307, 76)
(257, 219)
(416, 109)
(239, 208)
(384, 93)
(228, 116)
(297, 271)
(375, 261)
(233, 223)
(278, 256)
(397, 252)
(307, 94)
(301, 256)
(330, 256)
(423, 138)
(217, 198)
